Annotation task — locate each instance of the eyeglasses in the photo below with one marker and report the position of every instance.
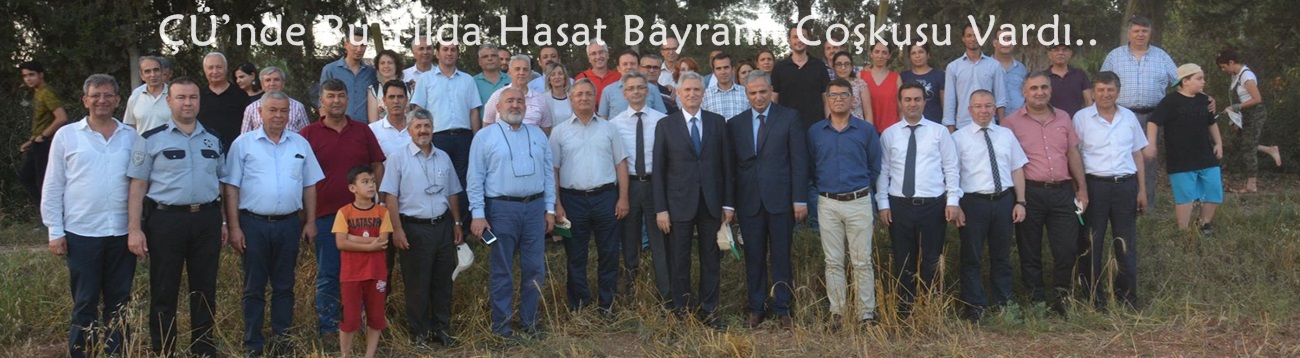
(844, 64)
(649, 67)
(838, 95)
(99, 96)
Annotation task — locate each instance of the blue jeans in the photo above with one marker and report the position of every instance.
(270, 254)
(327, 275)
(100, 270)
(520, 229)
(592, 214)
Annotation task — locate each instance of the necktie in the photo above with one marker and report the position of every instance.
(640, 145)
(762, 124)
(993, 159)
(909, 169)
(695, 134)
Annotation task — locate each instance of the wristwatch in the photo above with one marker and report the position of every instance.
(1021, 203)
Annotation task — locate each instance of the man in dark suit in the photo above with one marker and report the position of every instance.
(769, 151)
(693, 192)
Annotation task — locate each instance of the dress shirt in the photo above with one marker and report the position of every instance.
(509, 162)
(537, 110)
(937, 171)
(86, 186)
(728, 103)
(699, 122)
(844, 161)
(586, 154)
(182, 169)
(449, 98)
(1108, 146)
(1045, 144)
(973, 149)
(253, 117)
(613, 102)
(1015, 77)
(626, 123)
(390, 139)
(359, 84)
(963, 77)
(413, 73)
(1144, 81)
(145, 110)
(270, 176)
(422, 182)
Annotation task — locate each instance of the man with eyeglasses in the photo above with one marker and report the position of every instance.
(511, 188)
(422, 192)
(651, 67)
(612, 101)
(545, 58)
(599, 73)
(669, 56)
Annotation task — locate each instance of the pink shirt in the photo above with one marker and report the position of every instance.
(1044, 144)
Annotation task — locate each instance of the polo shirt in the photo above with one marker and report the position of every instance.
(1067, 90)
(486, 88)
(611, 76)
(146, 111)
(801, 88)
(338, 152)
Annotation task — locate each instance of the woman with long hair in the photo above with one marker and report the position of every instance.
(388, 66)
(1246, 99)
(557, 86)
(246, 79)
(883, 84)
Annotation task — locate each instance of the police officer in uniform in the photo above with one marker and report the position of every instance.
(174, 217)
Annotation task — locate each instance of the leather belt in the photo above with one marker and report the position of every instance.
(1048, 184)
(414, 220)
(590, 192)
(639, 177)
(990, 197)
(916, 201)
(1115, 179)
(194, 208)
(453, 131)
(268, 217)
(862, 193)
(1144, 110)
(520, 199)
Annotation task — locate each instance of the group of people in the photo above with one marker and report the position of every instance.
(402, 165)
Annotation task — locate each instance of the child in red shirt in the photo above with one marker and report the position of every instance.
(361, 232)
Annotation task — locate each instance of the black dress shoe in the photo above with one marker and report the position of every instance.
(754, 320)
(715, 323)
(446, 339)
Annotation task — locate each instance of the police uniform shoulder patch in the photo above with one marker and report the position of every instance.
(153, 131)
(137, 158)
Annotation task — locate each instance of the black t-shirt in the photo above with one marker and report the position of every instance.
(801, 88)
(223, 113)
(1186, 121)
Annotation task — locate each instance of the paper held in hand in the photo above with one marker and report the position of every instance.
(1233, 116)
(726, 241)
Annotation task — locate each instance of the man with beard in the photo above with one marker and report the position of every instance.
(422, 190)
(512, 197)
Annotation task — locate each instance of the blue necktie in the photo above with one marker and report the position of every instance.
(695, 134)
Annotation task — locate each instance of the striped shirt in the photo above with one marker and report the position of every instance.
(1143, 81)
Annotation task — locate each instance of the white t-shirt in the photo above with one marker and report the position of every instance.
(1239, 83)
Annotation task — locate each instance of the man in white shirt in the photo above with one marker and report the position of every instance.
(147, 107)
(422, 50)
(636, 129)
(917, 192)
(83, 203)
(392, 132)
(1111, 141)
(592, 177)
(991, 177)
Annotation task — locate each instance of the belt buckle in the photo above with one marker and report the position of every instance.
(194, 208)
(918, 201)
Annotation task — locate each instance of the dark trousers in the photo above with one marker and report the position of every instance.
(683, 235)
(641, 219)
(100, 270)
(32, 172)
(768, 233)
(521, 230)
(987, 222)
(917, 234)
(190, 242)
(426, 271)
(270, 255)
(1152, 166)
(591, 214)
(457, 147)
(1053, 208)
(1116, 204)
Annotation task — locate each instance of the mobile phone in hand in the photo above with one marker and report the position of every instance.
(489, 237)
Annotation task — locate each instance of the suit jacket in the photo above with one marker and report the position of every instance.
(774, 175)
(681, 178)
